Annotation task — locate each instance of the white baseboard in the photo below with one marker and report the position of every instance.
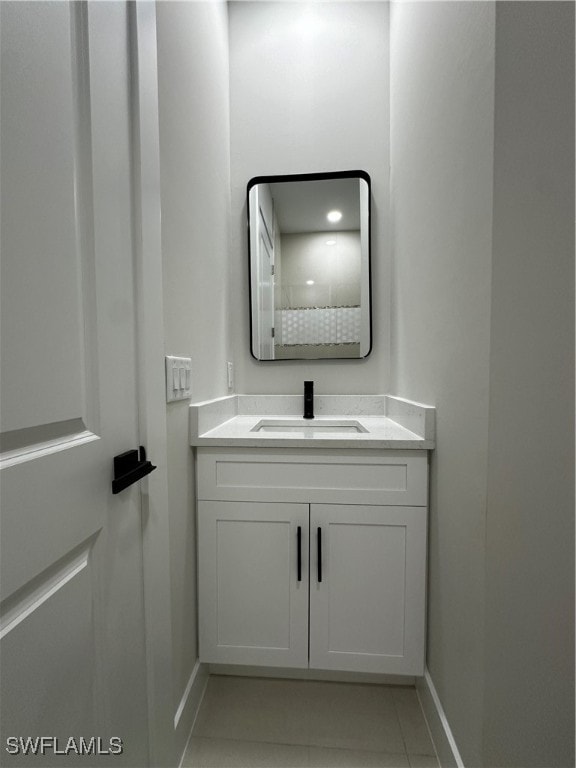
(446, 748)
(189, 705)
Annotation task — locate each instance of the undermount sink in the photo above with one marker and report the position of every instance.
(309, 426)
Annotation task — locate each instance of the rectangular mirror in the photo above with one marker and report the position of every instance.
(309, 253)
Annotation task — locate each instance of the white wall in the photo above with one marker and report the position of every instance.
(482, 275)
(309, 92)
(442, 80)
(194, 147)
(529, 670)
(335, 270)
(482, 149)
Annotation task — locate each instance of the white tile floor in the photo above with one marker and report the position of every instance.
(263, 723)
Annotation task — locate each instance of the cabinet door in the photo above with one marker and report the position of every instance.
(367, 612)
(253, 609)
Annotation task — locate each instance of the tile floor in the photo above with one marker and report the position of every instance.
(264, 723)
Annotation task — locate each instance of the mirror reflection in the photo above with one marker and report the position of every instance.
(309, 240)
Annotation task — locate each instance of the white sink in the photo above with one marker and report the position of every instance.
(309, 426)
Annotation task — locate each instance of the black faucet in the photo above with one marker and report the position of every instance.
(308, 399)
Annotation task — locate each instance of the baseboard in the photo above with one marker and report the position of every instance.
(189, 706)
(446, 748)
(242, 670)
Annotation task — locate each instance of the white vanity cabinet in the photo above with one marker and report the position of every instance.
(313, 558)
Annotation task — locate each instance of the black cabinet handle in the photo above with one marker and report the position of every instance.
(319, 555)
(299, 540)
(130, 467)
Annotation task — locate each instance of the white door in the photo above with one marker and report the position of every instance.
(73, 654)
(262, 246)
(253, 576)
(367, 588)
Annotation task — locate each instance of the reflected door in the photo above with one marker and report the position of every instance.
(262, 245)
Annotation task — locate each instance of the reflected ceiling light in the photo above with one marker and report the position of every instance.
(309, 282)
(307, 26)
(330, 242)
(334, 216)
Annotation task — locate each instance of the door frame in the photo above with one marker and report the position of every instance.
(151, 380)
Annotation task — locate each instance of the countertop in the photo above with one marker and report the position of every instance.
(392, 423)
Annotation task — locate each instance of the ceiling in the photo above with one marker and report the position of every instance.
(301, 206)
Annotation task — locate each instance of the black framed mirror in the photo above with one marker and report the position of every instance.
(309, 257)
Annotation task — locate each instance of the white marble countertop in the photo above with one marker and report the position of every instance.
(390, 423)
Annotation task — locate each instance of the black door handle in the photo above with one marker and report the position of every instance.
(299, 540)
(319, 555)
(130, 467)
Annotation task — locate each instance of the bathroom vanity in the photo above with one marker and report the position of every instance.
(312, 535)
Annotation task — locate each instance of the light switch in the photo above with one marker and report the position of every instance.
(178, 378)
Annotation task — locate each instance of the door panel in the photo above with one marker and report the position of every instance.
(39, 223)
(253, 609)
(72, 603)
(367, 613)
(35, 688)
